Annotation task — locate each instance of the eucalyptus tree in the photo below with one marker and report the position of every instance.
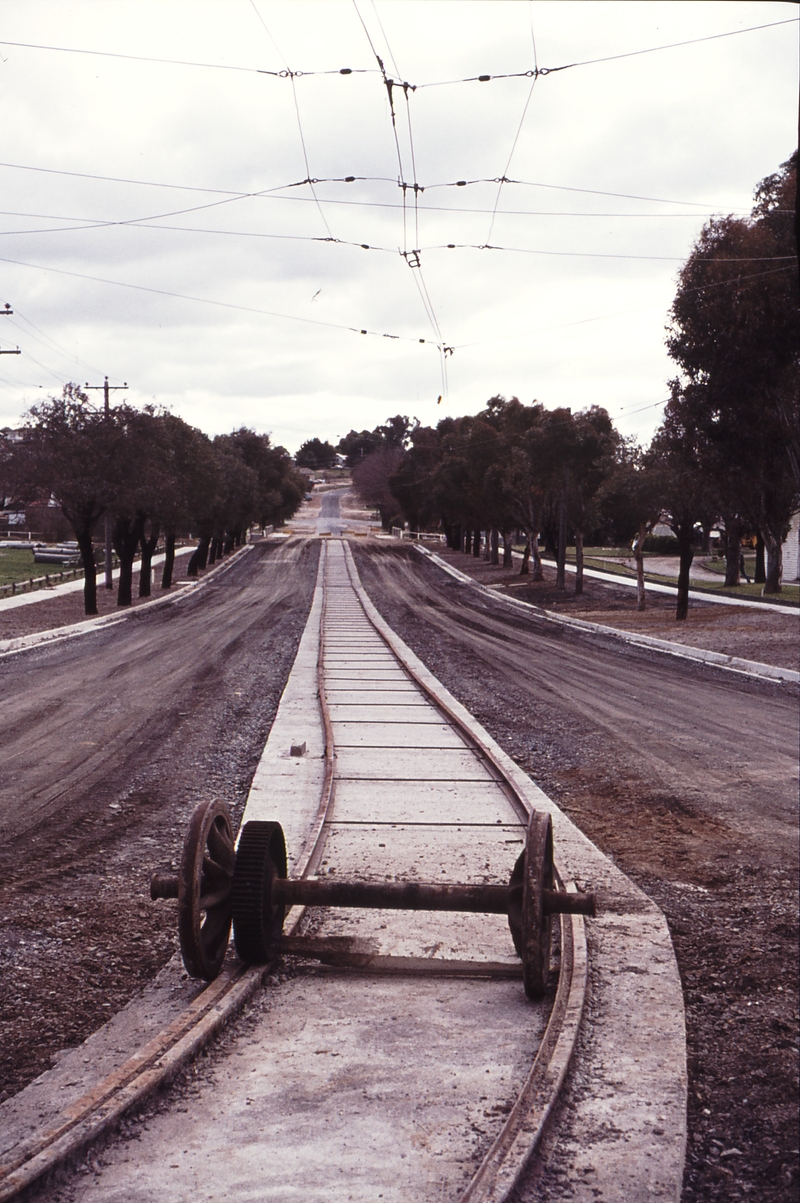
(735, 334)
(72, 452)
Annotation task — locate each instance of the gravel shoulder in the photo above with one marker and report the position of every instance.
(687, 777)
(109, 742)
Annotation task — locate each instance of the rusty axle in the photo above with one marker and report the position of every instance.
(398, 896)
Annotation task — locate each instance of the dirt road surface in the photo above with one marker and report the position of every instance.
(108, 743)
(687, 777)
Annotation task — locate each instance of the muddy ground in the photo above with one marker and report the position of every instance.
(684, 790)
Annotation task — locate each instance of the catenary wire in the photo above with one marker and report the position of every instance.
(220, 304)
(610, 58)
(412, 258)
(528, 99)
(144, 224)
(142, 58)
(297, 113)
(349, 179)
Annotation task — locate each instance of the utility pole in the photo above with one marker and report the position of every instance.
(107, 388)
(6, 311)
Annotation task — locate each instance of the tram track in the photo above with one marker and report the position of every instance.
(99, 1110)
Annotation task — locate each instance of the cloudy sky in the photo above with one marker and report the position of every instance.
(156, 225)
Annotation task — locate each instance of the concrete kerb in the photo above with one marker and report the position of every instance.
(752, 668)
(623, 1130)
(11, 647)
(95, 1084)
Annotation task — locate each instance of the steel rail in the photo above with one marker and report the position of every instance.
(511, 1151)
(97, 1112)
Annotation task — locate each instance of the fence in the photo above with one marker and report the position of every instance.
(39, 582)
(432, 537)
(69, 574)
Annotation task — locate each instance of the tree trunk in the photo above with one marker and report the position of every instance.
(169, 560)
(641, 604)
(772, 583)
(733, 551)
(127, 534)
(199, 557)
(476, 544)
(561, 571)
(686, 551)
(84, 538)
(760, 574)
(538, 571)
(148, 547)
(453, 536)
(495, 545)
(212, 551)
(526, 555)
(467, 541)
(229, 543)
(578, 562)
(506, 548)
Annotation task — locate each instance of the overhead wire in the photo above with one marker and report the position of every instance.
(176, 62)
(266, 193)
(412, 256)
(485, 78)
(61, 271)
(517, 135)
(297, 112)
(44, 338)
(143, 224)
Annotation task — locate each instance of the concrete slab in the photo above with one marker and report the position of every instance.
(336, 687)
(395, 735)
(363, 712)
(421, 802)
(472, 855)
(408, 699)
(287, 788)
(409, 764)
(342, 1104)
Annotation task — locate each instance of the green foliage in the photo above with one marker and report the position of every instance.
(315, 454)
(735, 334)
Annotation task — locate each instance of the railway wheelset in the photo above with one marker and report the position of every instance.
(220, 884)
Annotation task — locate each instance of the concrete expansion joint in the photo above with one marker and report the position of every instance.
(750, 668)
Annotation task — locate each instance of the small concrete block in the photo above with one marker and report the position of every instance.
(298, 749)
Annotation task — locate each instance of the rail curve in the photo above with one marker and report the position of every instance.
(354, 649)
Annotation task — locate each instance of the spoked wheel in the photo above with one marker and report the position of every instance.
(530, 923)
(204, 890)
(257, 922)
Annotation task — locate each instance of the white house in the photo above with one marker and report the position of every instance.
(791, 550)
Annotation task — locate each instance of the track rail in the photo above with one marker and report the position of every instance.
(98, 1111)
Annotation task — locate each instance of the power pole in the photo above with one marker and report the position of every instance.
(6, 311)
(107, 388)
